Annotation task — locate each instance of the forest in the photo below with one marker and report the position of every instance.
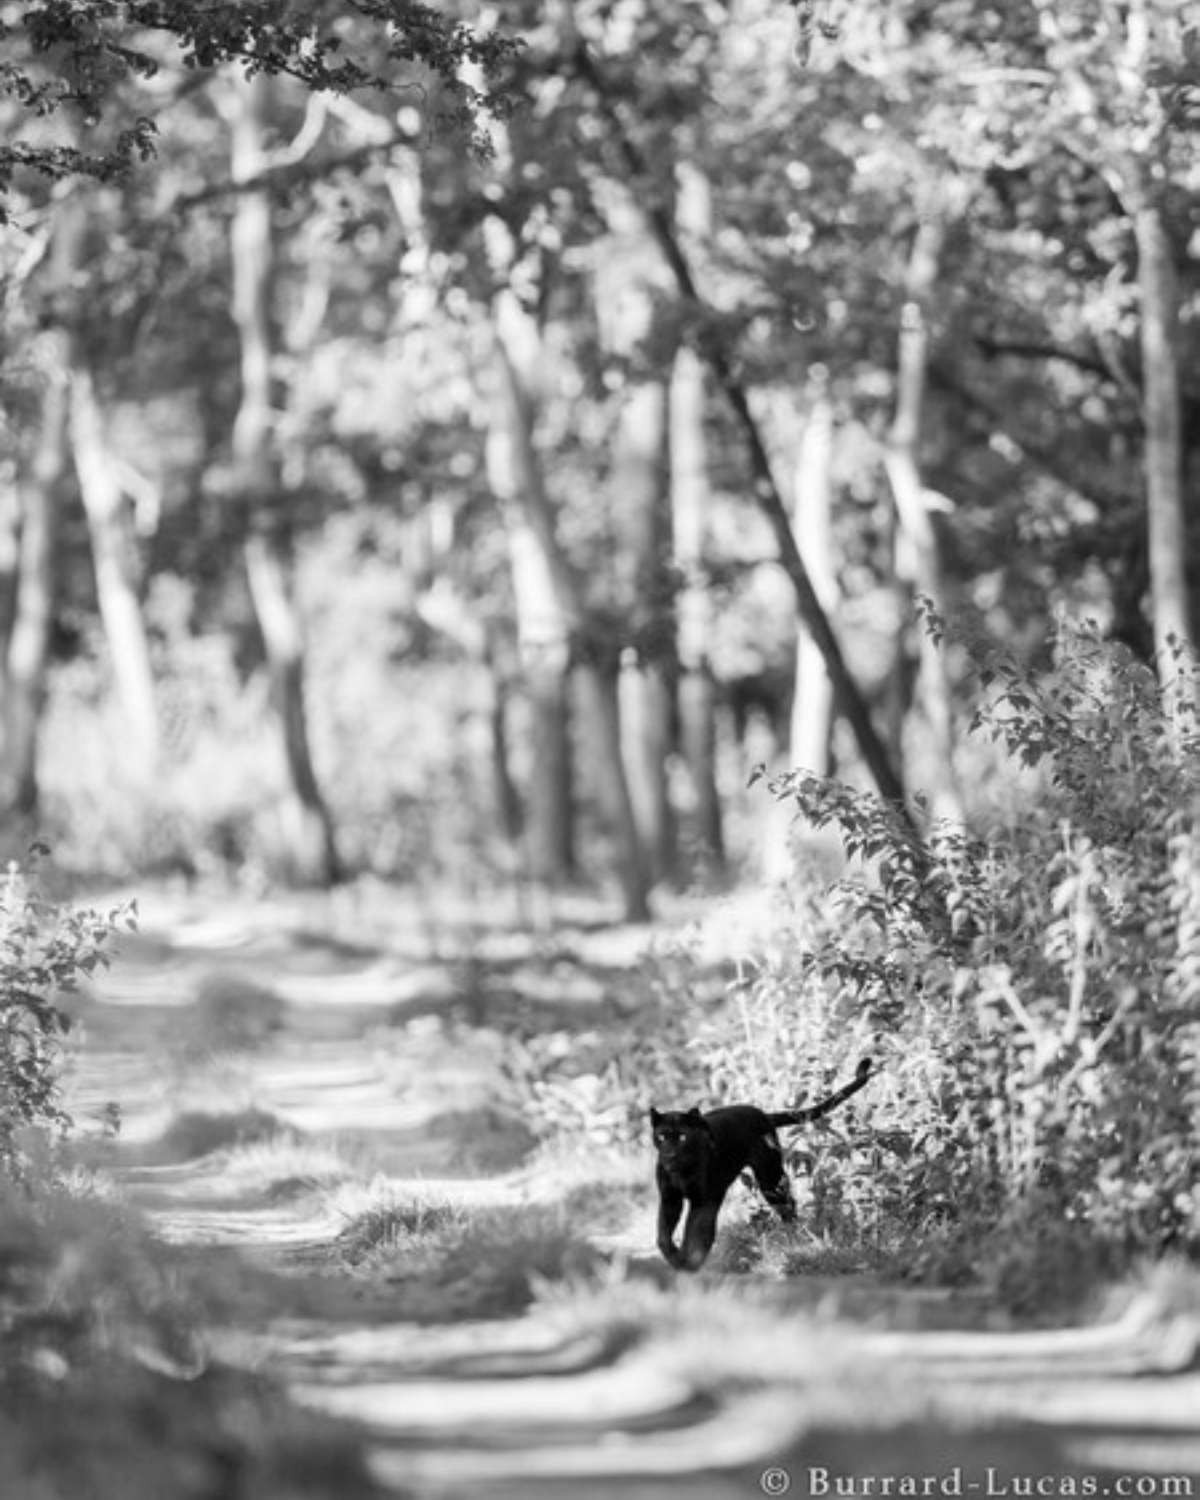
(578, 557)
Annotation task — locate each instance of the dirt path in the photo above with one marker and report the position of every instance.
(546, 1403)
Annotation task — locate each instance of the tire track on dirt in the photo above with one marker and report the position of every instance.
(531, 1405)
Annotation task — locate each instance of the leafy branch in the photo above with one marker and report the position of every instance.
(46, 950)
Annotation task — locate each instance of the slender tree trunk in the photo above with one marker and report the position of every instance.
(504, 788)
(918, 553)
(311, 850)
(10, 569)
(599, 682)
(114, 550)
(543, 626)
(647, 715)
(40, 502)
(307, 830)
(690, 496)
(810, 727)
(810, 739)
(640, 487)
(1161, 406)
(41, 497)
(639, 504)
(691, 501)
(518, 352)
(544, 646)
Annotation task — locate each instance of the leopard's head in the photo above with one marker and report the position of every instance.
(682, 1138)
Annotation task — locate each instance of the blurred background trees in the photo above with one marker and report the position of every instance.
(377, 496)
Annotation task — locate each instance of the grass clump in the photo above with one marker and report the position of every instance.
(450, 1260)
(285, 1166)
(396, 1226)
(504, 1256)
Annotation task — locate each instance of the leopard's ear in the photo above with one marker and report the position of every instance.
(655, 1117)
(695, 1113)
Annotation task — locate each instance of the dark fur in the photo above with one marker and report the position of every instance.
(700, 1156)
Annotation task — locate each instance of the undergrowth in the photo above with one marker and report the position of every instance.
(1043, 976)
(1029, 988)
(45, 951)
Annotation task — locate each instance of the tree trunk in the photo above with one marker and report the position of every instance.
(518, 352)
(810, 727)
(598, 676)
(40, 500)
(10, 566)
(509, 810)
(639, 484)
(647, 716)
(543, 627)
(639, 504)
(544, 647)
(41, 496)
(114, 550)
(1165, 505)
(310, 847)
(697, 689)
(918, 553)
(810, 739)
(690, 504)
(310, 850)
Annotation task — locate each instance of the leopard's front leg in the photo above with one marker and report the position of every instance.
(670, 1210)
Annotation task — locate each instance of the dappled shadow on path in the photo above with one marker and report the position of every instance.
(394, 1055)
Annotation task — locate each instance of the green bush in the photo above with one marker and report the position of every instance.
(45, 950)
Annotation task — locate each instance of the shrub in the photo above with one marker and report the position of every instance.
(1039, 982)
(45, 950)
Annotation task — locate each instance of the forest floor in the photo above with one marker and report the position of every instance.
(259, 1136)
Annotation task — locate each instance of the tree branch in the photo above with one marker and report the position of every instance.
(711, 346)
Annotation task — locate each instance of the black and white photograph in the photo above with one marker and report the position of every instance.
(599, 749)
